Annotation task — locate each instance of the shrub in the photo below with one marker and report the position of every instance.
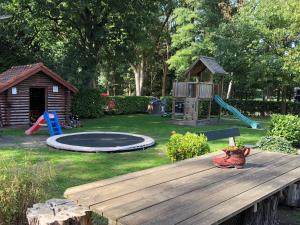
(286, 126)
(129, 104)
(88, 104)
(263, 108)
(20, 187)
(169, 101)
(276, 144)
(184, 146)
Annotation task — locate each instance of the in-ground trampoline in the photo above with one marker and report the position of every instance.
(100, 142)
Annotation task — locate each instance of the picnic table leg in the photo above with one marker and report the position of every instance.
(292, 195)
(264, 212)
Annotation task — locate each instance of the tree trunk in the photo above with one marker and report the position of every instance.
(139, 76)
(264, 212)
(129, 89)
(165, 72)
(283, 103)
(229, 89)
(164, 79)
(278, 95)
(292, 195)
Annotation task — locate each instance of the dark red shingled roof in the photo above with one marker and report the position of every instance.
(16, 74)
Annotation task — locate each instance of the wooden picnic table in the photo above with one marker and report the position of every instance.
(190, 192)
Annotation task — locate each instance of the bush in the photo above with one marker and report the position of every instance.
(169, 101)
(286, 126)
(88, 104)
(129, 104)
(184, 146)
(263, 108)
(20, 187)
(276, 144)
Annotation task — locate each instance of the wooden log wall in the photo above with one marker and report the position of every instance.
(3, 109)
(17, 106)
(180, 89)
(206, 91)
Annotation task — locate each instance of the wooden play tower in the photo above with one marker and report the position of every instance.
(204, 80)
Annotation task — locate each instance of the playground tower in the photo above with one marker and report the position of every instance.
(192, 99)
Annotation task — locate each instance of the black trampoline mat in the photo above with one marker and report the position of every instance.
(100, 140)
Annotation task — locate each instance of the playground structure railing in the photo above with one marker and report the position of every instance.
(200, 90)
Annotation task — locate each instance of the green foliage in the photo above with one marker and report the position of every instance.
(260, 46)
(240, 143)
(184, 146)
(21, 185)
(276, 144)
(262, 108)
(203, 109)
(286, 126)
(130, 104)
(88, 104)
(169, 101)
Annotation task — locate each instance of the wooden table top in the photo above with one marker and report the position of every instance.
(190, 192)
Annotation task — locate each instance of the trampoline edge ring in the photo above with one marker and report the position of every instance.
(147, 142)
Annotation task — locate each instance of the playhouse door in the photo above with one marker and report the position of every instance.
(37, 103)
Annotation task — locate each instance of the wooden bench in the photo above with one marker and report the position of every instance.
(195, 192)
(230, 133)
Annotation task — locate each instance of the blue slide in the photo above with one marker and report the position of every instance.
(253, 124)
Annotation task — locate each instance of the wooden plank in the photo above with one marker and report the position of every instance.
(141, 182)
(239, 203)
(188, 205)
(133, 202)
(73, 191)
(105, 193)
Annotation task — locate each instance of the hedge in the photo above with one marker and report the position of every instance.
(169, 101)
(90, 104)
(129, 104)
(263, 108)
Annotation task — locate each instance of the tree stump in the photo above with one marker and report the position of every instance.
(292, 195)
(58, 212)
(263, 213)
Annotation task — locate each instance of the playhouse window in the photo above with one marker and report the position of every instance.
(55, 88)
(14, 91)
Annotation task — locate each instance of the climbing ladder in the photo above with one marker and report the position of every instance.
(52, 121)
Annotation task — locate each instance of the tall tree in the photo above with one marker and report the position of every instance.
(145, 25)
(195, 23)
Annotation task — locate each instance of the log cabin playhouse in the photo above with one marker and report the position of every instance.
(27, 91)
(193, 97)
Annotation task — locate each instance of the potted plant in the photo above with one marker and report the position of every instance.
(235, 157)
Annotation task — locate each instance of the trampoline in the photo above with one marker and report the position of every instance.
(100, 142)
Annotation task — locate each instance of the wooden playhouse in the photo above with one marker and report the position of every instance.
(27, 91)
(204, 80)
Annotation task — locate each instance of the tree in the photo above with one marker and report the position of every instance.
(195, 23)
(260, 45)
(145, 25)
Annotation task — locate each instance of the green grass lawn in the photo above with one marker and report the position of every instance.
(79, 168)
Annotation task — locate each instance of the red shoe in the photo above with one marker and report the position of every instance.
(234, 158)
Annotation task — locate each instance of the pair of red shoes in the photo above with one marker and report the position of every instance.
(233, 158)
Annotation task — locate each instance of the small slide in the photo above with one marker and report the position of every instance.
(253, 124)
(37, 125)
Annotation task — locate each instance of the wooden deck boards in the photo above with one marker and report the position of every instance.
(189, 192)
